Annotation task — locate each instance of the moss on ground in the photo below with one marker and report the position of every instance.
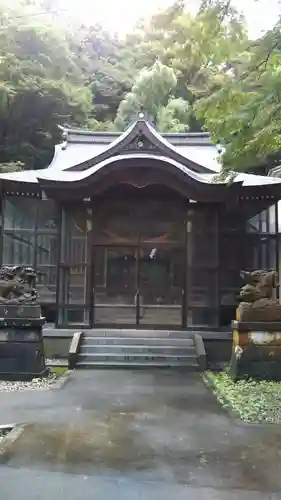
(58, 371)
(252, 401)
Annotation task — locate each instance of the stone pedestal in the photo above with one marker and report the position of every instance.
(256, 350)
(21, 343)
(24, 311)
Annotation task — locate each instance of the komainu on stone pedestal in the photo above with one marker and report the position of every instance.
(256, 349)
(18, 296)
(16, 285)
(256, 297)
(21, 341)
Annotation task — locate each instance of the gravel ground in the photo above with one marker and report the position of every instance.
(32, 385)
(35, 384)
(3, 434)
(56, 362)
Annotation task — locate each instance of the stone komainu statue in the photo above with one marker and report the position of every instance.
(17, 285)
(256, 297)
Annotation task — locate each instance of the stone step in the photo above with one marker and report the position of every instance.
(141, 341)
(129, 356)
(135, 349)
(168, 363)
(138, 333)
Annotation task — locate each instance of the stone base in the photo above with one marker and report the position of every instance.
(254, 363)
(256, 351)
(22, 353)
(21, 311)
(23, 377)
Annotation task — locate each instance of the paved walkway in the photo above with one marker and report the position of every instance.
(136, 435)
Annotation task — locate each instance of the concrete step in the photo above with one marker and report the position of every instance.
(145, 356)
(192, 367)
(138, 333)
(135, 349)
(157, 341)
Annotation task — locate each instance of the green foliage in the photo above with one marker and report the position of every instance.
(42, 85)
(93, 124)
(151, 92)
(252, 401)
(53, 72)
(111, 75)
(174, 117)
(195, 48)
(58, 371)
(244, 114)
(11, 166)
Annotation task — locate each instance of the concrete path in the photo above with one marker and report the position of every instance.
(136, 435)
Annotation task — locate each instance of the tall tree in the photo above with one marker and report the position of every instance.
(152, 93)
(244, 114)
(42, 84)
(54, 72)
(196, 46)
(111, 77)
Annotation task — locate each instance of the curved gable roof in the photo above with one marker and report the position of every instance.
(170, 172)
(79, 175)
(87, 154)
(140, 137)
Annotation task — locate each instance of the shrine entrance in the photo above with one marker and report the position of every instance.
(139, 264)
(145, 261)
(138, 285)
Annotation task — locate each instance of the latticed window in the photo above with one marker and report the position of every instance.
(30, 238)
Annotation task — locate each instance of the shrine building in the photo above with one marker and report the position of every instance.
(134, 230)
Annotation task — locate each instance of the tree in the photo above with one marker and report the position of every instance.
(152, 93)
(110, 75)
(244, 114)
(197, 47)
(175, 116)
(55, 72)
(11, 166)
(42, 84)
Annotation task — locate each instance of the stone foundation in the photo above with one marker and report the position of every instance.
(22, 349)
(256, 350)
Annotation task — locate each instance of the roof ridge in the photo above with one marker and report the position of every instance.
(108, 133)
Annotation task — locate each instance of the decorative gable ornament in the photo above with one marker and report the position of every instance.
(141, 144)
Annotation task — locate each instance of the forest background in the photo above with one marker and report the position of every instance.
(187, 71)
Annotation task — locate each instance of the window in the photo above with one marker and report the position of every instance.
(20, 213)
(31, 239)
(264, 222)
(202, 266)
(75, 260)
